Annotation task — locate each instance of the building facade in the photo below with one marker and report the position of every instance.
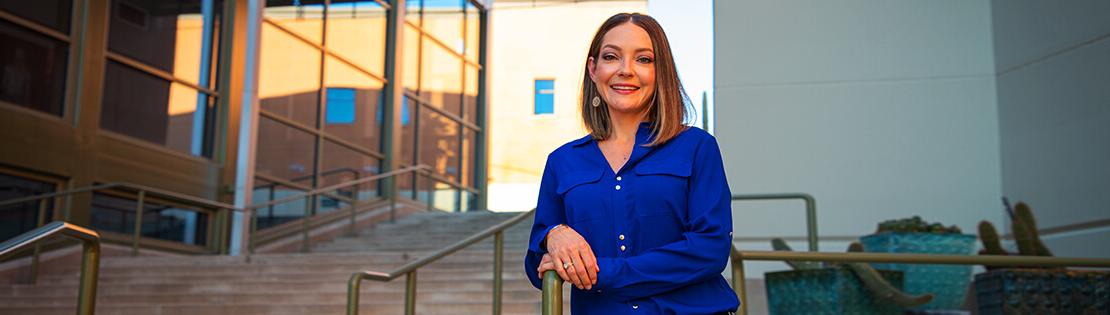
(239, 102)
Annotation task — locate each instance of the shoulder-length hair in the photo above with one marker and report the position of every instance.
(667, 112)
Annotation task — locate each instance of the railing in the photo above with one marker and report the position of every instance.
(811, 211)
(552, 284)
(312, 196)
(409, 269)
(142, 193)
(220, 225)
(738, 258)
(553, 293)
(90, 261)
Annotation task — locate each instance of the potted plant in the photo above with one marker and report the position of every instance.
(915, 235)
(1035, 290)
(852, 288)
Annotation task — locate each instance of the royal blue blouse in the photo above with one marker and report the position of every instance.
(661, 227)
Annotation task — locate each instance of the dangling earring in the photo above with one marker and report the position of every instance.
(596, 101)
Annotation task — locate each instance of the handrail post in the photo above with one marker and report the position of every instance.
(353, 293)
(811, 221)
(253, 219)
(410, 293)
(498, 252)
(431, 192)
(90, 267)
(738, 283)
(308, 202)
(811, 211)
(225, 222)
(552, 293)
(354, 205)
(139, 203)
(38, 247)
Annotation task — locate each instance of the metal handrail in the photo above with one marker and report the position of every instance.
(552, 284)
(738, 258)
(553, 293)
(409, 269)
(90, 257)
(811, 211)
(308, 196)
(142, 191)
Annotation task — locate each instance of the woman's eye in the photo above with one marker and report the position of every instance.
(644, 60)
(608, 57)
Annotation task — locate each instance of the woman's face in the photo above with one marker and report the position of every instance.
(624, 69)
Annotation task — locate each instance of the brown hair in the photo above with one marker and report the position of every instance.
(667, 111)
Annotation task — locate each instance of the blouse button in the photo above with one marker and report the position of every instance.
(622, 248)
(618, 178)
(635, 306)
(618, 187)
(621, 237)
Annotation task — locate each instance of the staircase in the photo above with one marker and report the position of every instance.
(305, 283)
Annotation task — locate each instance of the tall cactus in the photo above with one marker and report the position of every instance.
(1024, 227)
(1032, 237)
(992, 244)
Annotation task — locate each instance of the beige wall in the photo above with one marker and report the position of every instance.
(544, 41)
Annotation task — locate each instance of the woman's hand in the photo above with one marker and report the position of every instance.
(568, 249)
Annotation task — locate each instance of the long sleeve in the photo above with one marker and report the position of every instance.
(549, 213)
(701, 253)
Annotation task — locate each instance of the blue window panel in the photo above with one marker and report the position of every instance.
(545, 97)
(341, 106)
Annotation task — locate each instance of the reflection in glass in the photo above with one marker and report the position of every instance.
(353, 100)
(289, 76)
(18, 218)
(50, 13)
(264, 192)
(180, 37)
(412, 58)
(303, 18)
(116, 214)
(443, 19)
(466, 165)
(405, 183)
(32, 69)
(439, 144)
(341, 164)
(146, 107)
(441, 78)
(470, 94)
(412, 11)
(284, 152)
(473, 20)
(442, 197)
(356, 32)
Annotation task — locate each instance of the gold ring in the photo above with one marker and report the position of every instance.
(567, 265)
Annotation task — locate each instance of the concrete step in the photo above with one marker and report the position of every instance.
(306, 283)
(367, 308)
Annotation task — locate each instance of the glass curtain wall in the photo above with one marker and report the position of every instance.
(321, 75)
(441, 85)
(33, 62)
(159, 80)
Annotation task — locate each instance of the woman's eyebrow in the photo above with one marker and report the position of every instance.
(618, 48)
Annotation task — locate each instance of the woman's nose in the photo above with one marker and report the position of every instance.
(625, 70)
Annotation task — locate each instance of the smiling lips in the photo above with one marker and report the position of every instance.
(624, 88)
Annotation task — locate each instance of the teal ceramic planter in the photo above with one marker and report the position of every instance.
(826, 291)
(1042, 291)
(948, 283)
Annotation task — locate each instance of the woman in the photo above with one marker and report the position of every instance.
(636, 215)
